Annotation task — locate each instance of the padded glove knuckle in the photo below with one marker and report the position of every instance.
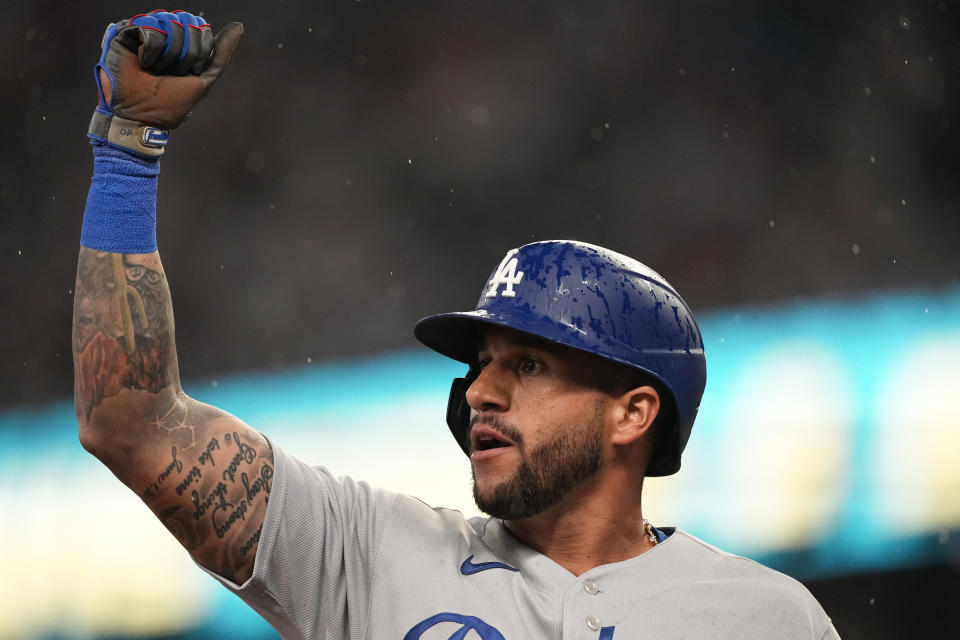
(198, 44)
(175, 42)
(145, 37)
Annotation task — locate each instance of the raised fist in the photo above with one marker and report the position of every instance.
(153, 69)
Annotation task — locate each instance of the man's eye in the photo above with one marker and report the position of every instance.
(529, 365)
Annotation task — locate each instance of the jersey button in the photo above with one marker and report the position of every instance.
(591, 588)
(593, 622)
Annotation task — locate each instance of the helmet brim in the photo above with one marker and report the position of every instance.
(457, 334)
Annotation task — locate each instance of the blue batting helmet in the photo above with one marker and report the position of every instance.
(589, 298)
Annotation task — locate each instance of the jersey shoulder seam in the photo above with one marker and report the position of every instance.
(726, 555)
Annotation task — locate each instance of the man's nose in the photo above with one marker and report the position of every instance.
(489, 391)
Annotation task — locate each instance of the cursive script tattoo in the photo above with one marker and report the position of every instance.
(221, 525)
(260, 484)
(251, 541)
(194, 474)
(245, 454)
(175, 465)
(207, 455)
(217, 499)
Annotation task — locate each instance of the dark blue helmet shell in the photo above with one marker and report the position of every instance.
(593, 299)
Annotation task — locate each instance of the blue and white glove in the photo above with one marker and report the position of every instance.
(153, 69)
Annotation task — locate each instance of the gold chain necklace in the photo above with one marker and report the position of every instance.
(650, 534)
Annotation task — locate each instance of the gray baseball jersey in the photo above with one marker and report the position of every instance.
(341, 560)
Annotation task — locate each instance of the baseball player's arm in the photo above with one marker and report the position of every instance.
(204, 473)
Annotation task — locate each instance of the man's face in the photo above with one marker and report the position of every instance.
(536, 424)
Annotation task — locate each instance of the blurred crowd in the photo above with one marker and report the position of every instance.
(364, 164)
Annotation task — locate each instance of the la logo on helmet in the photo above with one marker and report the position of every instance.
(506, 274)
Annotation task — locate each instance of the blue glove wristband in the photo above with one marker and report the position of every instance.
(121, 213)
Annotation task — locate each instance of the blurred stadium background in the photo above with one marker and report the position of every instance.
(791, 167)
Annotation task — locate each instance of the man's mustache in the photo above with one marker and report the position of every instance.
(501, 426)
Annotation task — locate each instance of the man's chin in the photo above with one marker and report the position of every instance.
(485, 498)
(503, 511)
(488, 500)
(509, 510)
(491, 483)
(503, 501)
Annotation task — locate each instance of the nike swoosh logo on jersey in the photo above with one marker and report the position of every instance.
(469, 567)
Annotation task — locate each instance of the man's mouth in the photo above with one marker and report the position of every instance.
(484, 438)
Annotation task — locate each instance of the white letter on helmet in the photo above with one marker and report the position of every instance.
(505, 274)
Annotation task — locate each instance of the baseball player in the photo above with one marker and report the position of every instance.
(585, 371)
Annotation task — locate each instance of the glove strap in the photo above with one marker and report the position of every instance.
(130, 135)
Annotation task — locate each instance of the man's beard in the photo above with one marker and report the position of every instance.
(547, 473)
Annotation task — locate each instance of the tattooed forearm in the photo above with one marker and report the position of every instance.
(205, 474)
(123, 328)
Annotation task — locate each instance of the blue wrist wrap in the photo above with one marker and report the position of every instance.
(121, 213)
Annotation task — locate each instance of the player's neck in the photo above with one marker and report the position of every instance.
(595, 524)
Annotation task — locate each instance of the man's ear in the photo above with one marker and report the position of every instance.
(636, 411)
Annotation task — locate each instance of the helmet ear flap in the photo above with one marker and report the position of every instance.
(458, 411)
